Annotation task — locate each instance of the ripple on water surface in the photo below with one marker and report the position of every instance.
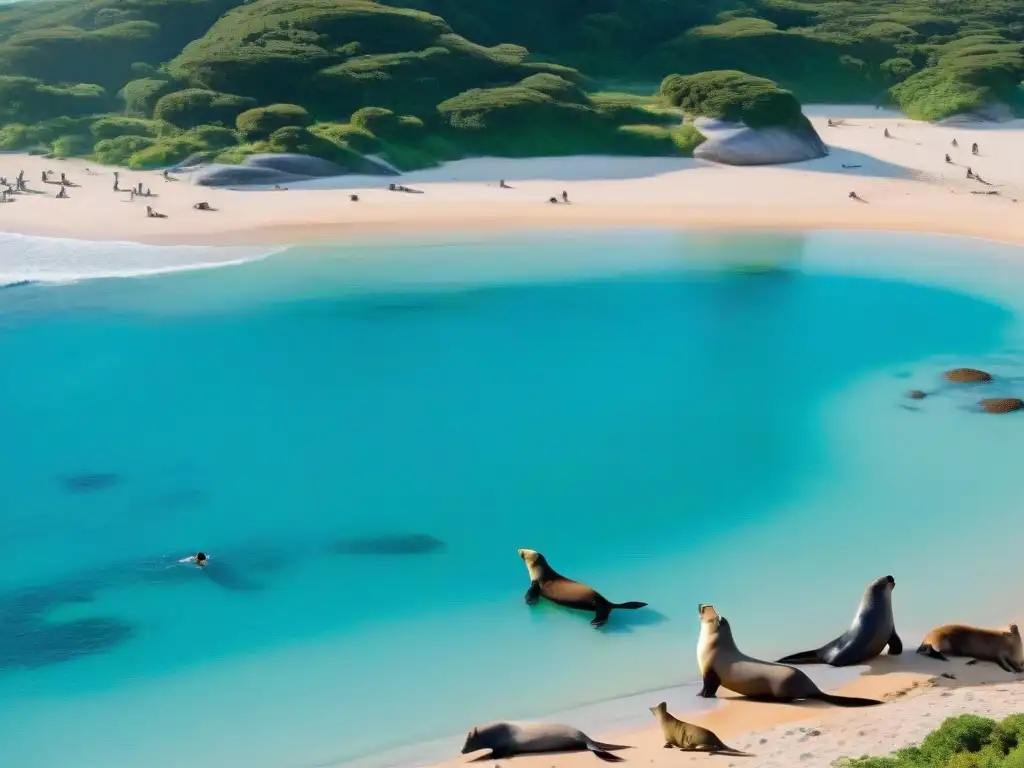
(361, 438)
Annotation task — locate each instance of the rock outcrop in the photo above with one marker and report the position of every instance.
(284, 168)
(736, 144)
(968, 376)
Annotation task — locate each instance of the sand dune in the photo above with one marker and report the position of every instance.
(903, 181)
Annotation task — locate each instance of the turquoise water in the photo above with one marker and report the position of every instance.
(661, 427)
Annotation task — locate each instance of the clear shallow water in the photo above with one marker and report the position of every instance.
(660, 428)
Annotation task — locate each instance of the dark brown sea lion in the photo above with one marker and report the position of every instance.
(1000, 646)
(689, 737)
(546, 582)
(510, 739)
(721, 663)
(872, 630)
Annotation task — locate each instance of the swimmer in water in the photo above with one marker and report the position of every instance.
(199, 558)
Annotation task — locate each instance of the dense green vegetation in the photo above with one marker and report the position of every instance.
(150, 82)
(966, 741)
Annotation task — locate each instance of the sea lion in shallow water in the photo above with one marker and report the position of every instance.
(545, 581)
(721, 663)
(509, 739)
(689, 737)
(1000, 646)
(872, 630)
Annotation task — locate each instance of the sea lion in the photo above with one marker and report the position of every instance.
(721, 663)
(689, 737)
(547, 582)
(1001, 646)
(509, 739)
(873, 628)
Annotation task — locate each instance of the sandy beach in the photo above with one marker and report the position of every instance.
(903, 183)
(918, 694)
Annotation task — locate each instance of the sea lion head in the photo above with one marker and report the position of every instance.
(882, 587)
(535, 562)
(483, 737)
(659, 708)
(708, 614)
(1013, 631)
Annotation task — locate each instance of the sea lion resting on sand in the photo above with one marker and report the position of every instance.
(689, 737)
(1001, 646)
(873, 628)
(547, 582)
(509, 739)
(721, 663)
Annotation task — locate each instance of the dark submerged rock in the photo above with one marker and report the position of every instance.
(1001, 404)
(917, 394)
(409, 544)
(90, 482)
(968, 375)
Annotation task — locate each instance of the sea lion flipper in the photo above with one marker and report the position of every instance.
(601, 615)
(711, 684)
(895, 644)
(608, 757)
(533, 593)
(804, 657)
(1002, 662)
(845, 701)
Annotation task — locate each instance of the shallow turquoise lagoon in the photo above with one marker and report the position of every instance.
(661, 424)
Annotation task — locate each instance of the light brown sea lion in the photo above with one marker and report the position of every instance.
(872, 630)
(510, 739)
(721, 663)
(545, 581)
(689, 737)
(1001, 646)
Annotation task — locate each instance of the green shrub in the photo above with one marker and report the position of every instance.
(734, 96)
(194, 107)
(260, 122)
(165, 152)
(385, 124)
(214, 136)
(118, 151)
(348, 135)
(112, 126)
(140, 96)
(72, 146)
(964, 741)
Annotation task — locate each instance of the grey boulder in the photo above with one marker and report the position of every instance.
(736, 144)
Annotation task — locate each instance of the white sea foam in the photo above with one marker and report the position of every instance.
(25, 259)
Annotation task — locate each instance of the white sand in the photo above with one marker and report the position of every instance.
(904, 181)
(917, 700)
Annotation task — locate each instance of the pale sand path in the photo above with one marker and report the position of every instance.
(904, 181)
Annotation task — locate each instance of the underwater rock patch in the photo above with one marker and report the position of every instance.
(967, 375)
(409, 544)
(917, 394)
(1001, 404)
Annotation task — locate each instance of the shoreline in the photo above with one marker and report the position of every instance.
(903, 184)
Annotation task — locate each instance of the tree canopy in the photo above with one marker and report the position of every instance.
(420, 81)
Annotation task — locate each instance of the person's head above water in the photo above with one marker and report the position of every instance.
(200, 557)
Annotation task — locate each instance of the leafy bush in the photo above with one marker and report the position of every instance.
(195, 106)
(72, 146)
(214, 136)
(260, 122)
(734, 96)
(385, 124)
(965, 741)
(118, 151)
(112, 126)
(140, 96)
